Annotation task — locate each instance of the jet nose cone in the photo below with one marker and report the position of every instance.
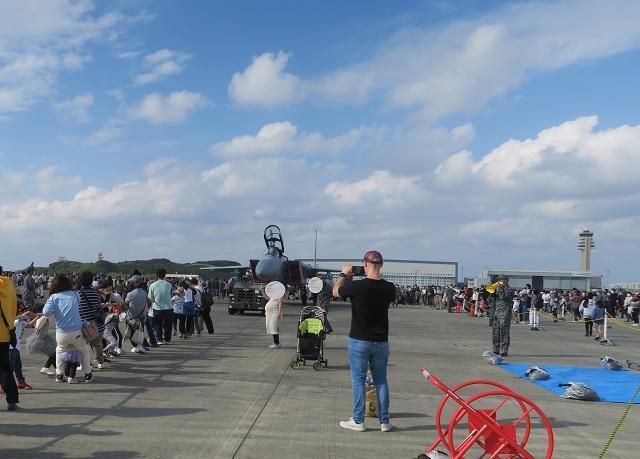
(268, 268)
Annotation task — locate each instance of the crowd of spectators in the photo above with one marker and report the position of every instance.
(86, 310)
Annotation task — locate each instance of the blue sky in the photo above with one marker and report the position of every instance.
(487, 133)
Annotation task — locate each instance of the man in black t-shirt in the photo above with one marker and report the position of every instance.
(369, 336)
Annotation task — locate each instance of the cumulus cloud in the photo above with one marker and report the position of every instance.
(381, 188)
(501, 219)
(173, 108)
(458, 67)
(77, 107)
(559, 158)
(36, 47)
(265, 83)
(161, 64)
(284, 137)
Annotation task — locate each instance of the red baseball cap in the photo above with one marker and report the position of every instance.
(373, 256)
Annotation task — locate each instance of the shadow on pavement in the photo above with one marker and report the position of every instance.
(50, 431)
(122, 412)
(35, 452)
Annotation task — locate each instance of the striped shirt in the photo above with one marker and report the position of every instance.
(90, 301)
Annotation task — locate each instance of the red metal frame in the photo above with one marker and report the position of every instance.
(497, 440)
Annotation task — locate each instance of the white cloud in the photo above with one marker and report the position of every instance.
(284, 137)
(76, 107)
(38, 40)
(558, 159)
(111, 129)
(264, 82)
(11, 183)
(129, 55)
(458, 67)
(381, 188)
(161, 64)
(173, 108)
(50, 182)
(480, 219)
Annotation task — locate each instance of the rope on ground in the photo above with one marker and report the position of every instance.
(619, 423)
(563, 321)
(621, 324)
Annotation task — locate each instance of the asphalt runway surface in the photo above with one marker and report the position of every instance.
(230, 396)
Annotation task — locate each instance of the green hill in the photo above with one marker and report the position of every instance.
(146, 267)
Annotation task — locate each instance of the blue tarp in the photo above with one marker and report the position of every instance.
(611, 386)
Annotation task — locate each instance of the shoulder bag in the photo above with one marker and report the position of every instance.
(99, 314)
(13, 340)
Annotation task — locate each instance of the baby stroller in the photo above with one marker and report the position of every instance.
(311, 335)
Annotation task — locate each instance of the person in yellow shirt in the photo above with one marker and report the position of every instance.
(8, 308)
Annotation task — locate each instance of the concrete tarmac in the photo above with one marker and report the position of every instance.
(230, 396)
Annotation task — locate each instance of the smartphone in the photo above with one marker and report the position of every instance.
(357, 270)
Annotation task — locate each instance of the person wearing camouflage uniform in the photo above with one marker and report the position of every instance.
(29, 294)
(501, 315)
(491, 307)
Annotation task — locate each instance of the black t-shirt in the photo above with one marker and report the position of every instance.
(369, 308)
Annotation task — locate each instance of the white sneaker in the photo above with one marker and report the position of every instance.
(133, 350)
(274, 346)
(100, 366)
(353, 425)
(48, 371)
(72, 381)
(386, 427)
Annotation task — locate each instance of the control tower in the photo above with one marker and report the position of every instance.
(585, 244)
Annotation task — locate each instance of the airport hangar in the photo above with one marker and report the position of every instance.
(402, 272)
(541, 279)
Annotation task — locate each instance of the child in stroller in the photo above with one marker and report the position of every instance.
(311, 335)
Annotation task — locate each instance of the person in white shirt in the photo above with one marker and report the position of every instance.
(546, 301)
(587, 308)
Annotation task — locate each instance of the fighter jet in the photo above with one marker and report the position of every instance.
(274, 265)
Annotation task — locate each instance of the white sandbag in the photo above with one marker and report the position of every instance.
(435, 454)
(579, 391)
(537, 374)
(492, 358)
(610, 363)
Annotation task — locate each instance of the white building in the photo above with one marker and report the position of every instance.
(403, 272)
(541, 279)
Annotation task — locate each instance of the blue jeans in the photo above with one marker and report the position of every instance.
(362, 356)
(150, 329)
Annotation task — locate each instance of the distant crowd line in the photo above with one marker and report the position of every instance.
(587, 306)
